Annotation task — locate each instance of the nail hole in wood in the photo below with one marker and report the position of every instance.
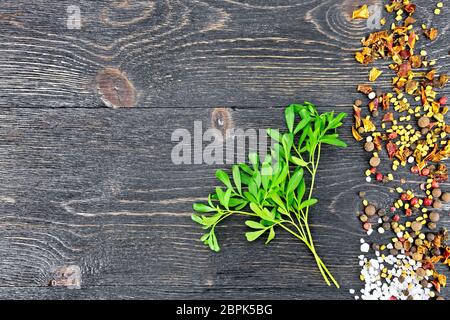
(222, 120)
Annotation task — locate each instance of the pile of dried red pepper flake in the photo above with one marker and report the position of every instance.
(409, 124)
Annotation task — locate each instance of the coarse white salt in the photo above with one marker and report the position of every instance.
(369, 232)
(369, 139)
(365, 247)
(380, 230)
(352, 291)
(372, 95)
(368, 179)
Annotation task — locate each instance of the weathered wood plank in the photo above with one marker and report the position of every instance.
(97, 189)
(189, 53)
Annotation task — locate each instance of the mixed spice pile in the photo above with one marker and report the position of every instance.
(407, 130)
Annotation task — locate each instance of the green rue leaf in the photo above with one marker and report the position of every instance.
(223, 177)
(274, 134)
(237, 178)
(290, 117)
(252, 236)
(200, 207)
(271, 235)
(333, 141)
(254, 224)
(299, 162)
(295, 180)
(308, 203)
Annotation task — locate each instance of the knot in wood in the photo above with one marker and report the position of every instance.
(115, 89)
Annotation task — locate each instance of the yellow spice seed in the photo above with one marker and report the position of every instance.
(437, 12)
(402, 227)
(422, 236)
(365, 203)
(408, 224)
(423, 53)
(439, 5)
(424, 210)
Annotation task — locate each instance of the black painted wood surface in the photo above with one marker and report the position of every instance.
(90, 187)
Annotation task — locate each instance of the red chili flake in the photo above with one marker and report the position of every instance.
(388, 117)
(408, 212)
(392, 135)
(357, 115)
(373, 170)
(443, 100)
(436, 285)
(395, 218)
(391, 149)
(415, 169)
(427, 202)
(425, 172)
(404, 197)
(414, 201)
(405, 54)
(404, 70)
(410, 8)
(377, 143)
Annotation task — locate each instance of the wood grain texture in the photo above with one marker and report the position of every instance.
(84, 186)
(174, 51)
(97, 189)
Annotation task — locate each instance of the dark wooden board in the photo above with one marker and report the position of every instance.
(253, 53)
(92, 187)
(97, 189)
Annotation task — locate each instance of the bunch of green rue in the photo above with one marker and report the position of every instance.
(274, 194)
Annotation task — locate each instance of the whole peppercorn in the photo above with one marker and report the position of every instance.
(381, 213)
(427, 202)
(430, 236)
(431, 225)
(386, 226)
(436, 193)
(369, 146)
(445, 197)
(425, 172)
(437, 204)
(416, 226)
(370, 210)
(415, 169)
(434, 216)
(358, 102)
(374, 161)
(424, 122)
(434, 184)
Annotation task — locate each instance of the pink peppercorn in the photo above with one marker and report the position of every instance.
(414, 201)
(427, 202)
(443, 100)
(408, 212)
(373, 170)
(404, 197)
(379, 177)
(435, 184)
(415, 169)
(395, 218)
(392, 209)
(367, 226)
(425, 172)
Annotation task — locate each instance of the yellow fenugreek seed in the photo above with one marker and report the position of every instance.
(399, 190)
(423, 53)
(437, 12)
(439, 5)
(365, 202)
(424, 210)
